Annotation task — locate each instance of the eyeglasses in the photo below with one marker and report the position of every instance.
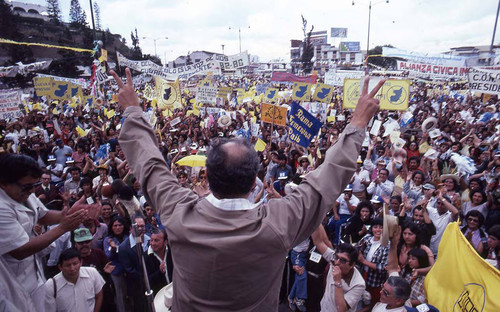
(473, 220)
(341, 260)
(27, 187)
(203, 178)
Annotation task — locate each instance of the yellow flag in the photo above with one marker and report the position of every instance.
(461, 280)
(260, 145)
(330, 119)
(110, 114)
(301, 91)
(393, 95)
(323, 93)
(81, 132)
(104, 56)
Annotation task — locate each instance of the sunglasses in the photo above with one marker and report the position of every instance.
(341, 260)
(473, 220)
(28, 187)
(203, 178)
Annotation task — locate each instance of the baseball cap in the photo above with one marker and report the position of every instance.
(82, 235)
(429, 186)
(377, 199)
(348, 187)
(282, 175)
(424, 307)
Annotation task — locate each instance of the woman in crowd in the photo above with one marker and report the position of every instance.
(411, 240)
(200, 186)
(373, 258)
(474, 220)
(360, 223)
(117, 233)
(413, 189)
(478, 201)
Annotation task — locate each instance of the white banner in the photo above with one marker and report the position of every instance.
(207, 95)
(423, 70)
(23, 69)
(80, 82)
(336, 78)
(231, 62)
(435, 59)
(9, 105)
(181, 72)
(484, 80)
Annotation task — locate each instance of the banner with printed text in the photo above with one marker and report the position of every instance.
(336, 78)
(484, 80)
(393, 95)
(281, 76)
(303, 126)
(423, 70)
(426, 58)
(9, 105)
(232, 62)
(180, 72)
(206, 94)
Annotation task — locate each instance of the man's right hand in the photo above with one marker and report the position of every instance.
(71, 221)
(126, 93)
(367, 105)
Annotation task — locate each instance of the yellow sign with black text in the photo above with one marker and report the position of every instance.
(273, 114)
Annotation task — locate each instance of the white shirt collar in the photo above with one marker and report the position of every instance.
(145, 244)
(231, 204)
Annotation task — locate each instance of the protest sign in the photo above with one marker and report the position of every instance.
(80, 82)
(323, 93)
(9, 105)
(180, 72)
(43, 85)
(435, 59)
(270, 95)
(168, 94)
(273, 114)
(224, 92)
(303, 127)
(336, 78)
(231, 62)
(281, 76)
(424, 70)
(484, 80)
(301, 91)
(393, 95)
(206, 94)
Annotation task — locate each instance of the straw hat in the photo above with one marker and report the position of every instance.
(429, 124)
(390, 227)
(163, 299)
(224, 121)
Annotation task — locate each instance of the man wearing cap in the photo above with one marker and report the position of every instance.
(381, 186)
(61, 151)
(360, 180)
(222, 243)
(55, 169)
(344, 208)
(279, 184)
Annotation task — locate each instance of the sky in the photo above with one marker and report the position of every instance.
(427, 26)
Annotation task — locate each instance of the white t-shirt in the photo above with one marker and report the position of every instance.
(357, 186)
(343, 209)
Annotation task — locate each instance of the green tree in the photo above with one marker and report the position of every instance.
(77, 16)
(54, 11)
(308, 48)
(136, 49)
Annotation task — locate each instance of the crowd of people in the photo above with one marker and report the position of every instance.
(68, 244)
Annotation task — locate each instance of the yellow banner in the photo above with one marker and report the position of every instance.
(393, 95)
(302, 91)
(273, 114)
(224, 91)
(260, 145)
(461, 280)
(323, 93)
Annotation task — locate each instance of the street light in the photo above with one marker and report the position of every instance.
(369, 21)
(239, 34)
(154, 41)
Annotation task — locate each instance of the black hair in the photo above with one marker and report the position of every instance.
(157, 230)
(483, 194)
(231, 175)
(421, 255)
(401, 287)
(69, 254)
(378, 221)
(384, 169)
(396, 197)
(477, 214)
(421, 174)
(121, 220)
(415, 229)
(75, 168)
(364, 204)
(85, 181)
(478, 181)
(15, 167)
(495, 231)
(350, 250)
